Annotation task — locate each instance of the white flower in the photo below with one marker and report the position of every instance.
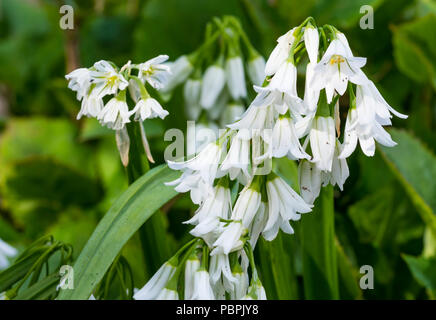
(322, 142)
(236, 78)
(311, 94)
(115, 114)
(256, 70)
(237, 160)
(180, 71)
(202, 287)
(285, 79)
(254, 119)
(285, 141)
(207, 217)
(219, 267)
(191, 267)
(284, 204)
(240, 285)
(310, 181)
(106, 79)
(280, 52)
(191, 93)
(91, 106)
(168, 294)
(214, 80)
(256, 291)
(365, 122)
(247, 205)
(6, 252)
(199, 172)
(232, 113)
(340, 170)
(311, 41)
(154, 72)
(337, 67)
(258, 224)
(205, 162)
(149, 108)
(155, 286)
(230, 239)
(79, 81)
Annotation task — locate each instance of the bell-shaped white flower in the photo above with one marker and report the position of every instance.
(337, 67)
(214, 80)
(79, 80)
(180, 71)
(115, 113)
(202, 287)
(280, 52)
(6, 252)
(340, 171)
(205, 162)
(193, 182)
(207, 217)
(219, 268)
(155, 286)
(247, 204)
(149, 108)
(168, 294)
(256, 70)
(310, 180)
(237, 160)
(255, 119)
(311, 42)
(191, 267)
(285, 79)
(285, 140)
(107, 80)
(284, 204)
(236, 77)
(230, 239)
(91, 106)
(322, 142)
(240, 285)
(256, 291)
(365, 122)
(155, 72)
(311, 93)
(191, 94)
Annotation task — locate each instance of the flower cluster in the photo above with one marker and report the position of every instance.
(102, 90)
(204, 277)
(217, 74)
(279, 123)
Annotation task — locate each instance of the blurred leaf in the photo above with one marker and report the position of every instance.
(348, 275)
(415, 167)
(423, 269)
(127, 214)
(415, 49)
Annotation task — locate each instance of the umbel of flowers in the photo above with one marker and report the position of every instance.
(102, 90)
(218, 76)
(278, 123)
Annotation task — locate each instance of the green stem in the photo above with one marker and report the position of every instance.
(152, 234)
(320, 271)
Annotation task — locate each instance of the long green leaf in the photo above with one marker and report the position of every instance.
(415, 168)
(320, 271)
(277, 270)
(128, 213)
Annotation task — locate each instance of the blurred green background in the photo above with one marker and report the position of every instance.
(59, 176)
